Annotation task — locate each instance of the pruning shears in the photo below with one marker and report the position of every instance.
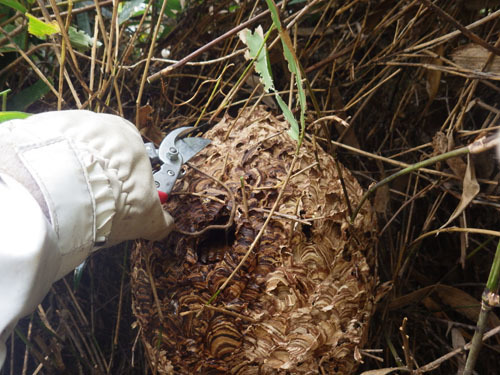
(175, 150)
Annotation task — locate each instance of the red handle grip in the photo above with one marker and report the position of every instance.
(163, 196)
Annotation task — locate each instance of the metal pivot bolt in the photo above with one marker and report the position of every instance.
(173, 153)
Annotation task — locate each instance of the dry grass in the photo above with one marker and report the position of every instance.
(401, 76)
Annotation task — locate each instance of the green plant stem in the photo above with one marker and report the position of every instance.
(493, 278)
(414, 167)
(4, 94)
(490, 291)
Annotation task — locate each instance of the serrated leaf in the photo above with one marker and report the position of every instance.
(80, 39)
(40, 28)
(14, 5)
(257, 50)
(293, 64)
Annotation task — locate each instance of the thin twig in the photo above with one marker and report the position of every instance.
(435, 364)
(153, 289)
(478, 146)
(31, 63)
(150, 55)
(211, 227)
(406, 344)
(444, 38)
(469, 34)
(78, 10)
(284, 216)
(487, 232)
(189, 63)
(154, 77)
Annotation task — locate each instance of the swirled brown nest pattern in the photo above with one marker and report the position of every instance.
(302, 301)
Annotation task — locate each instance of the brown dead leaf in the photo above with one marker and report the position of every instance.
(441, 144)
(431, 305)
(470, 190)
(458, 341)
(144, 116)
(473, 57)
(253, 81)
(147, 126)
(382, 194)
(433, 76)
(458, 300)
(382, 290)
(457, 165)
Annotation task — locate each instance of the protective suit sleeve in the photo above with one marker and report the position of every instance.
(72, 182)
(29, 256)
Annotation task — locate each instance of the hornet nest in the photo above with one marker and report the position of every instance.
(302, 300)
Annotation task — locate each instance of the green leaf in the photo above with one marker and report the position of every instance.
(12, 115)
(293, 64)
(174, 8)
(83, 19)
(28, 96)
(130, 9)
(14, 5)
(80, 39)
(287, 113)
(257, 50)
(19, 39)
(78, 273)
(40, 28)
(274, 14)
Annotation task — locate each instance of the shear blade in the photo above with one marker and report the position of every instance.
(189, 147)
(186, 147)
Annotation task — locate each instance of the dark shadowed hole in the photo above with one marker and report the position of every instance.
(213, 245)
(307, 230)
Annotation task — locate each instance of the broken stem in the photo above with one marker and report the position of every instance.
(489, 300)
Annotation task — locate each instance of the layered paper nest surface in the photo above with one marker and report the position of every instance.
(302, 300)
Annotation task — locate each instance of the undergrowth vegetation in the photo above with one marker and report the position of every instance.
(388, 83)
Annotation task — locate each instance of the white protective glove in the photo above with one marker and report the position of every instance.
(70, 182)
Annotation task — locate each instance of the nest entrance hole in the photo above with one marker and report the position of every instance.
(213, 245)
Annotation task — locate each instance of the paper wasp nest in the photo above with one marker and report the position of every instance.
(302, 300)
